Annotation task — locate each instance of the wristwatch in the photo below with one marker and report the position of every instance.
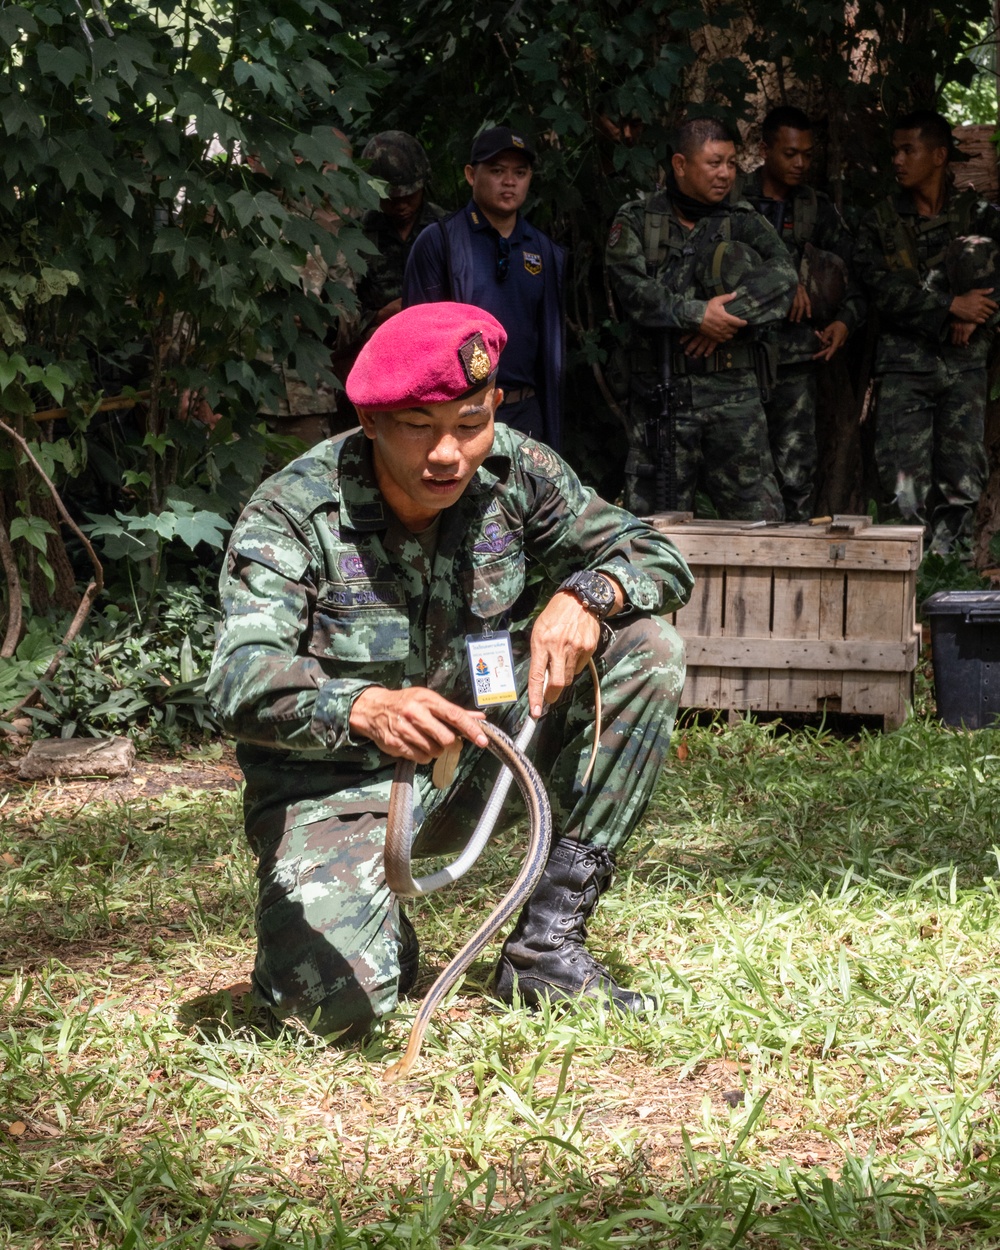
(593, 590)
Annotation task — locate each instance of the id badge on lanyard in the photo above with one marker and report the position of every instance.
(491, 668)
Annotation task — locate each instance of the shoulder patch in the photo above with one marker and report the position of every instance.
(537, 458)
(614, 234)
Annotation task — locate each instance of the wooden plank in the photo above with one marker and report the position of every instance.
(832, 603)
(796, 614)
(875, 605)
(873, 656)
(878, 694)
(747, 616)
(701, 617)
(886, 547)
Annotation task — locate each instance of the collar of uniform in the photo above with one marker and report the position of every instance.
(361, 504)
(478, 221)
(906, 205)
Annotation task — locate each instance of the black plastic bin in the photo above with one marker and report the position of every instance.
(965, 648)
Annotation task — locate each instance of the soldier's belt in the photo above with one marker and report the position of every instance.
(723, 358)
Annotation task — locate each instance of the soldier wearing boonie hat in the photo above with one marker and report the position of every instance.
(404, 211)
(925, 254)
(353, 581)
(488, 254)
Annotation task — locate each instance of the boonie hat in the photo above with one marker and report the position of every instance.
(427, 354)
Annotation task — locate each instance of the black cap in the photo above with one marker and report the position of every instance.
(497, 139)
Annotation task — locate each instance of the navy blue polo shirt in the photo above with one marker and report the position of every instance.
(516, 302)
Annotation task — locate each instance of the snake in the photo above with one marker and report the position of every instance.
(399, 841)
(399, 836)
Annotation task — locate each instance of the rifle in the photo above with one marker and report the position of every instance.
(661, 434)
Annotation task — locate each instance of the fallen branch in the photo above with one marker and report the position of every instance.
(9, 561)
(106, 405)
(89, 595)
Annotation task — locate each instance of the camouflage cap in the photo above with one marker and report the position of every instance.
(823, 274)
(972, 262)
(426, 354)
(399, 160)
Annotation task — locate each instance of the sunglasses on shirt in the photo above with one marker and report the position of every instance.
(503, 258)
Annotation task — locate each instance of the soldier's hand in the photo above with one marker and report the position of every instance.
(718, 324)
(975, 305)
(563, 639)
(962, 332)
(698, 345)
(833, 339)
(801, 309)
(413, 724)
(389, 310)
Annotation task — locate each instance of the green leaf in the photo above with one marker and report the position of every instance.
(65, 63)
(33, 530)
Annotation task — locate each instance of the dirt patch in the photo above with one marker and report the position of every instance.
(153, 776)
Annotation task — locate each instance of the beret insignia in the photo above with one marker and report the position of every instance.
(475, 359)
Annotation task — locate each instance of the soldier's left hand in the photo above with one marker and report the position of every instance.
(962, 332)
(563, 639)
(801, 309)
(833, 339)
(698, 345)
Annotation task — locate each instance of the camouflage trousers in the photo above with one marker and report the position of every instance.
(929, 448)
(791, 432)
(328, 928)
(719, 445)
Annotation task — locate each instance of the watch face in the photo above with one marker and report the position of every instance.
(595, 590)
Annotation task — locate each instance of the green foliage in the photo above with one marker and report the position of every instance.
(119, 676)
(145, 251)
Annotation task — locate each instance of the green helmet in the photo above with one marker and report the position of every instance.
(399, 160)
(732, 267)
(972, 262)
(726, 268)
(824, 276)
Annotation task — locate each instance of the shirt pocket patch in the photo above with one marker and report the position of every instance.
(360, 624)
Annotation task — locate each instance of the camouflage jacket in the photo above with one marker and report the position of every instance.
(911, 302)
(383, 281)
(662, 293)
(797, 340)
(325, 593)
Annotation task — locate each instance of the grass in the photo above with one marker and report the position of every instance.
(818, 914)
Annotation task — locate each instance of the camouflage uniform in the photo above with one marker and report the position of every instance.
(806, 216)
(931, 394)
(383, 281)
(399, 159)
(325, 593)
(663, 276)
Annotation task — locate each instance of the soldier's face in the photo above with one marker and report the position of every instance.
(708, 174)
(788, 158)
(915, 161)
(500, 186)
(402, 209)
(425, 457)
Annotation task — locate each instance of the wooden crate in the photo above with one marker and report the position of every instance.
(799, 618)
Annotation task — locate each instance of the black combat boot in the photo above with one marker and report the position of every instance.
(545, 957)
(409, 954)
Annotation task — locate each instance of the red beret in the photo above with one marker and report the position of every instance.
(427, 354)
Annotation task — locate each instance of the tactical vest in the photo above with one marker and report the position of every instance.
(805, 211)
(660, 249)
(900, 239)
